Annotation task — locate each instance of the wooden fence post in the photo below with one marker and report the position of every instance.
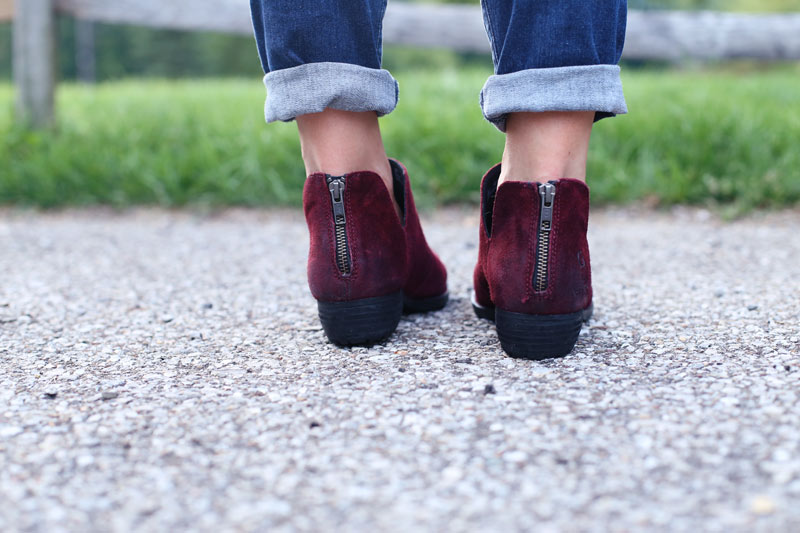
(34, 61)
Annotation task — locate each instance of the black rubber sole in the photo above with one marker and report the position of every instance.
(370, 320)
(537, 337)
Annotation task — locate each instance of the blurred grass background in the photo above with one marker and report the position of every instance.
(175, 119)
(711, 137)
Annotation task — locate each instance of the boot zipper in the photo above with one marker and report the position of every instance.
(547, 192)
(336, 187)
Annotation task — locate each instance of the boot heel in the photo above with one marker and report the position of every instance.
(539, 336)
(367, 321)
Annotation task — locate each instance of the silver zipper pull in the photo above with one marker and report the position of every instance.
(547, 192)
(336, 187)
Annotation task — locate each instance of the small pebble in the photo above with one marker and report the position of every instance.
(762, 505)
(10, 431)
(489, 389)
(109, 395)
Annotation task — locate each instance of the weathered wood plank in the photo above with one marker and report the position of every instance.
(663, 35)
(668, 35)
(458, 27)
(675, 35)
(6, 10)
(34, 61)
(229, 16)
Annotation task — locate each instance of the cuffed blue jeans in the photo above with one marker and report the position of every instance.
(549, 55)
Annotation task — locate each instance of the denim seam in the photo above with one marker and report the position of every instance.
(487, 22)
(380, 31)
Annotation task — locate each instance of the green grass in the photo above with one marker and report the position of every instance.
(718, 138)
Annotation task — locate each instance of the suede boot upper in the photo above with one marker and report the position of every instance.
(510, 248)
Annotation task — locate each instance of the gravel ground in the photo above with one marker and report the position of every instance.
(165, 371)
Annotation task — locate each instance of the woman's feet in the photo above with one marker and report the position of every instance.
(368, 261)
(367, 265)
(533, 276)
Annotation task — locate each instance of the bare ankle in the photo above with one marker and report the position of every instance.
(545, 146)
(339, 142)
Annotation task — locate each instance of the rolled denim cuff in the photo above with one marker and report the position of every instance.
(312, 87)
(582, 88)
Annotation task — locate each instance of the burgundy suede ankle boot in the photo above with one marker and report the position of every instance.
(366, 266)
(533, 276)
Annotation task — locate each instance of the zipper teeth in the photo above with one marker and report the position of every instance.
(542, 257)
(336, 186)
(342, 258)
(547, 192)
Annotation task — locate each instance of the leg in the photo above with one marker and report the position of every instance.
(322, 60)
(546, 145)
(555, 65)
(339, 142)
(368, 260)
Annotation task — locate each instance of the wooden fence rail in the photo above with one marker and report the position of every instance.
(666, 35)
(660, 35)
